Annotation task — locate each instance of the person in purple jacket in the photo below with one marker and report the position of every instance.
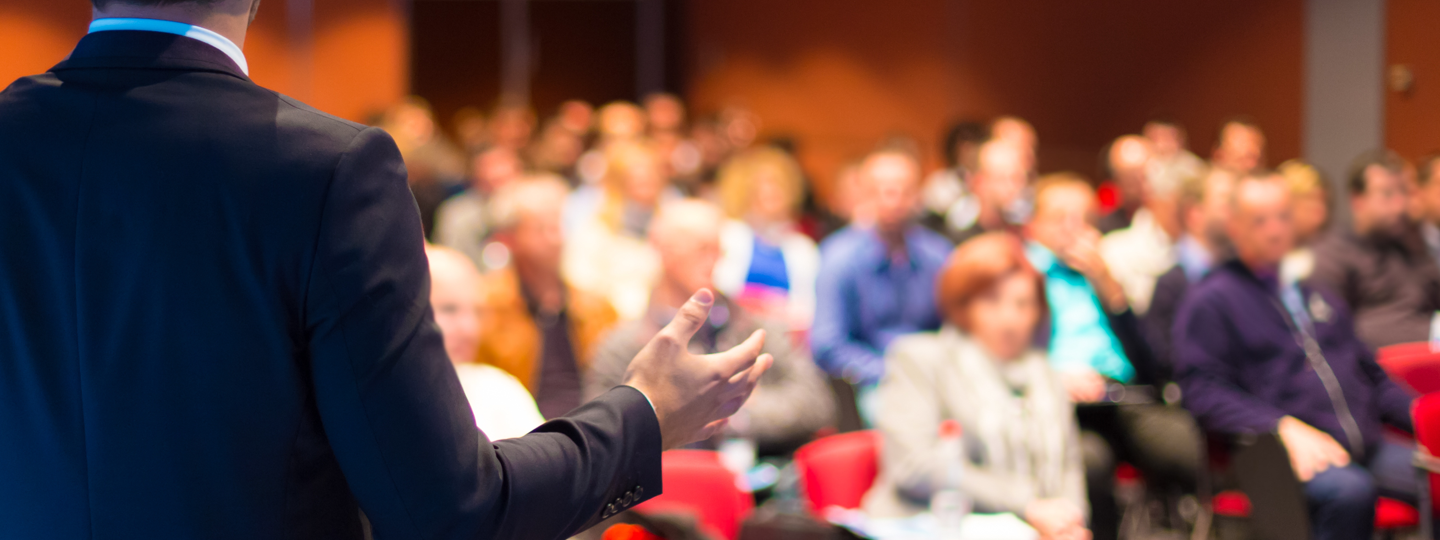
(1241, 341)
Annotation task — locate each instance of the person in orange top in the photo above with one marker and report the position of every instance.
(539, 329)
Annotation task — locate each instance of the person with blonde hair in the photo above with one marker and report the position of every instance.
(982, 370)
(607, 252)
(1310, 213)
(768, 266)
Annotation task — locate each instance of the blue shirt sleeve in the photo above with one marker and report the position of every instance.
(832, 334)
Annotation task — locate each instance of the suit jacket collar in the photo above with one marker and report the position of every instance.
(148, 50)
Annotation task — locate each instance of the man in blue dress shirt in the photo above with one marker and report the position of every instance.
(877, 281)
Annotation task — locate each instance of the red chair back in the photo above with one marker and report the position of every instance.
(1412, 365)
(839, 469)
(697, 484)
(1425, 413)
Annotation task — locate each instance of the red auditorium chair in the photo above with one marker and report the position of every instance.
(1391, 516)
(1426, 416)
(838, 470)
(697, 484)
(1413, 365)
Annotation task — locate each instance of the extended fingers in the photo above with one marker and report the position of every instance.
(741, 357)
(690, 318)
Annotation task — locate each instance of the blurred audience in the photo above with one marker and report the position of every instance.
(792, 401)
(436, 168)
(1171, 161)
(1204, 207)
(1426, 204)
(1310, 216)
(1127, 162)
(540, 330)
(1021, 445)
(950, 186)
(877, 282)
(998, 202)
(1095, 341)
(1378, 266)
(502, 407)
(462, 222)
(1019, 132)
(1143, 250)
(1259, 355)
(1241, 146)
(767, 266)
(512, 126)
(607, 251)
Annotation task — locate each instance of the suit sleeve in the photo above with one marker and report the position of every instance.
(1209, 375)
(393, 409)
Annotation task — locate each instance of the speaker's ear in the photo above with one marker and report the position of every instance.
(254, 8)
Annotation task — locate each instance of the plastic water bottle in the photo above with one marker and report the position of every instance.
(948, 504)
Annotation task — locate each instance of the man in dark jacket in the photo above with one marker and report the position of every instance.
(215, 322)
(1379, 265)
(1255, 355)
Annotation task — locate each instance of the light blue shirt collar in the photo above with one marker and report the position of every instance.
(1194, 260)
(178, 28)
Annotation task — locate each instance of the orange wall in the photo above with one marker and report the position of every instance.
(360, 50)
(1412, 119)
(841, 74)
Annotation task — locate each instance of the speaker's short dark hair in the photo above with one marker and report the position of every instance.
(102, 4)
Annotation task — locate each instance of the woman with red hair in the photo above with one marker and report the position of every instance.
(1022, 449)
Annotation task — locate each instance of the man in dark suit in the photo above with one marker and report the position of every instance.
(215, 322)
(1204, 205)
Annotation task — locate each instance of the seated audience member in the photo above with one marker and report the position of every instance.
(606, 249)
(540, 330)
(767, 266)
(877, 282)
(512, 126)
(1023, 452)
(462, 222)
(1310, 215)
(1127, 160)
(1378, 266)
(1171, 161)
(434, 166)
(1204, 205)
(1095, 339)
(948, 188)
(792, 401)
(502, 407)
(1426, 204)
(1242, 360)
(998, 202)
(1019, 132)
(1139, 253)
(1241, 146)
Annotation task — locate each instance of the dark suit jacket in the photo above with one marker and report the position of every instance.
(215, 323)
(1169, 292)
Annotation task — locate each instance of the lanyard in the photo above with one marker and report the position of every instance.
(1291, 298)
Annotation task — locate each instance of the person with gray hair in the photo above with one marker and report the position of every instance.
(541, 330)
(792, 402)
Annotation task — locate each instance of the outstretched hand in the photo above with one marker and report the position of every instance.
(694, 395)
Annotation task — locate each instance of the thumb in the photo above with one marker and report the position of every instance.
(691, 317)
